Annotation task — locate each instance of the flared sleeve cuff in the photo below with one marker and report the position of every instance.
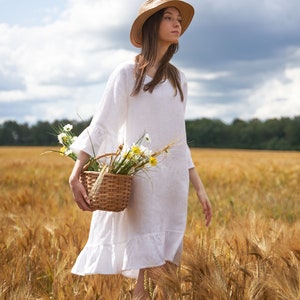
(190, 162)
(95, 141)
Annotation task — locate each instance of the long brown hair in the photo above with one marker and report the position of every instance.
(146, 59)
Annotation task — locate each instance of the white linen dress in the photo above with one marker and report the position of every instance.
(150, 231)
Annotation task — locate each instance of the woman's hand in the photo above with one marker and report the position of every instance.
(207, 209)
(202, 195)
(78, 190)
(79, 193)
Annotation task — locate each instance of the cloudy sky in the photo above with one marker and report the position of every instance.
(241, 57)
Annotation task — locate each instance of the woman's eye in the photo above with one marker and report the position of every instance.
(169, 18)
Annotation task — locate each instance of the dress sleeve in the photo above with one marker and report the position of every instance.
(184, 87)
(103, 135)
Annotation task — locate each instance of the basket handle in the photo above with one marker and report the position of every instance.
(86, 166)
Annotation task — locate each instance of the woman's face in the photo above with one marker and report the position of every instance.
(170, 27)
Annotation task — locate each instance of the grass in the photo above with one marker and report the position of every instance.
(251, 250)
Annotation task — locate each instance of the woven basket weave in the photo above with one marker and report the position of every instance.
(113, 194)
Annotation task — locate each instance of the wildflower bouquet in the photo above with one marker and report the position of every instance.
(136, 158)
(125, 161)
(107, 178)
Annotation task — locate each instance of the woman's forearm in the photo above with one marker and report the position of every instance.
(197, 182)
(201, 194)
(82, 159)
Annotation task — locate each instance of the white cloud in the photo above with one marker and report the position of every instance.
(58, 60)
(98, 15)
(194, 74)
(277, 98)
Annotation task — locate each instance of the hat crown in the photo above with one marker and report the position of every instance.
(149, 7)
(150, 4)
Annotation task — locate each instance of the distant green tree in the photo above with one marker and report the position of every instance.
(292, 133)
(272, 134)
(42, 134)
(238, 133)
(207, 133)
(10, 133)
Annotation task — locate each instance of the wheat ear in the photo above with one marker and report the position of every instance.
(98, 182)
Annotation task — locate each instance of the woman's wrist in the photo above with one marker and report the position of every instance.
(73, 180)
(201, 194)
(74, 177)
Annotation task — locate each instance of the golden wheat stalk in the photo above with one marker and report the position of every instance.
(163, 150)
(97, 184)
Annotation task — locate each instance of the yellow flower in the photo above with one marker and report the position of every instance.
(63, 150)
(152, 161)
(128, 155)
(136, 149)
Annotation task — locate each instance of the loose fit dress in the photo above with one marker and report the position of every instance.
(150, 230)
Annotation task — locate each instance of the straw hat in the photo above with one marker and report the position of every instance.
(150, 7)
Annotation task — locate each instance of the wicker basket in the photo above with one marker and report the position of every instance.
(113, 194)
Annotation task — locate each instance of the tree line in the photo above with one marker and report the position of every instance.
(272, 134)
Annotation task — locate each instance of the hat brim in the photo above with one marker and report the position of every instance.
(186, 10)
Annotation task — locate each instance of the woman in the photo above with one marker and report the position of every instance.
(148, 95)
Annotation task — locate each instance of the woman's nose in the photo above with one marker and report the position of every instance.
(176, 23)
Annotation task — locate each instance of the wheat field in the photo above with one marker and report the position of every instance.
(251, 250)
